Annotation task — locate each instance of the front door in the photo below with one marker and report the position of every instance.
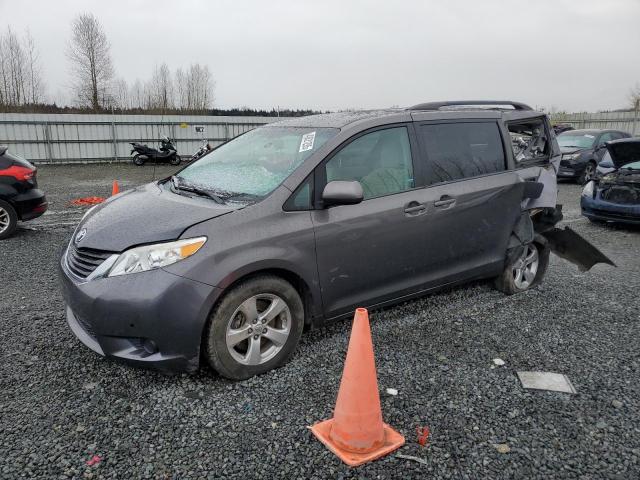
(370, 251)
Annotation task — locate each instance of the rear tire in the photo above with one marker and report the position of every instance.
(138, 161)
(524, 268)
(8, 220)
(254, 328)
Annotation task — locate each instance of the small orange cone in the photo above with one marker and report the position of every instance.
(356, 433)
(115, 189)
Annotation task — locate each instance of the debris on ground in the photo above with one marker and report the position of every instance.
(411, 457)
(554, 382)
(87, 201)
(392, 391)
(502, 447)
(498, 362)
(423, 435)
(94, 460)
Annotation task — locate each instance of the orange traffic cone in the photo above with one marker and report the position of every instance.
(356, 433)
(115, 189)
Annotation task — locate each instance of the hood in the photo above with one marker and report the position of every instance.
(150, 213)
(565, 150)
(623, 153)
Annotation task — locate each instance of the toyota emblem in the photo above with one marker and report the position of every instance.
(81, 234)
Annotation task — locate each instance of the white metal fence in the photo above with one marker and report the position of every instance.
(625, 121)
(70, 138)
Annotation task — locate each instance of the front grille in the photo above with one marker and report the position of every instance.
(621, 195)
(83, 261)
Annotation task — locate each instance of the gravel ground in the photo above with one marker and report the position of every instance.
(61, 404)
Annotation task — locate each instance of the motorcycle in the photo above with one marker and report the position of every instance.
(166, 154)
(202, 151)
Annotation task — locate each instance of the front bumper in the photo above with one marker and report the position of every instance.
(151, 319)
(568, 170)
(599, 209)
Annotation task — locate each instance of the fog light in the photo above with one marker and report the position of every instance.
(150, 346)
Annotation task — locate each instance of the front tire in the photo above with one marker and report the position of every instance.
(524, 268)
(254, 328)
(8, 220)
(138, 161)
(175, 160)
(589, 172)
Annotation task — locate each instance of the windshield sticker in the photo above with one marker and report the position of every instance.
(589, 136)
(307, 141)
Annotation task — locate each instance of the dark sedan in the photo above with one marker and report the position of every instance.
(20, 198)
(615, 195)
(582, 150)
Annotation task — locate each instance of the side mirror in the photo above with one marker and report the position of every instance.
(340, 192)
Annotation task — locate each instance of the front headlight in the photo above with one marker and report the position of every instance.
(587, 191)
(571, 156)
(149, 257)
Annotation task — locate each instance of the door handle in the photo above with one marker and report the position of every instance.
(414, 207)
(444, 201)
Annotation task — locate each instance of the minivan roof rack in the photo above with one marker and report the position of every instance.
(465, 103)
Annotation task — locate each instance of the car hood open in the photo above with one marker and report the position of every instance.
(150, 213)
(623, 153)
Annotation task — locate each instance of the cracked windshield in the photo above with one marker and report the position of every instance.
(254, 164)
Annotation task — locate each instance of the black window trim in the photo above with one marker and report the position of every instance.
(288, 206)
(319, 172)
(423, 152)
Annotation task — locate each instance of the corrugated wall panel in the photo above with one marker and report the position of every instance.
(61, 138)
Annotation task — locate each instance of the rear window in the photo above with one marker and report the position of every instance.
(14, 159)
(461, 150)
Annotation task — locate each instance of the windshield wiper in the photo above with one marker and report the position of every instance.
(193, 189)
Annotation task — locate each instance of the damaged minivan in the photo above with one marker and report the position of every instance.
(299, 222)
(614, 194)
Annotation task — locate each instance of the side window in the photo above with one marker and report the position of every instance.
(380, 161)
(459, 150)
(530, 142)
(301, 198)
(606, 137)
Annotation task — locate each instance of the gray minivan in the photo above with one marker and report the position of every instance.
(301, 221)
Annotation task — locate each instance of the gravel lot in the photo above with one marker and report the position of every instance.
(60, 404)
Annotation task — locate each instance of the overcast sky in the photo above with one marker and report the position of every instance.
(335, 54)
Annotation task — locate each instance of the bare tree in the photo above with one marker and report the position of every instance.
(15, 64)
(136, 95)
(20, 74)
(90, 57)
(121, 98)
(194, 88)
(634, 97)
(162, 88)
(35, 83)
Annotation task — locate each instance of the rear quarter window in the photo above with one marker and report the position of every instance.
(454, 151)
(530, 142)
(5, 162)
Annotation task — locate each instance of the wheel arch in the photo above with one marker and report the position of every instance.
(310, 298)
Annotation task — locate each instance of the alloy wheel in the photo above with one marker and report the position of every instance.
(5, 220)
(258, 329)
(525, 267)
(588, 172)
